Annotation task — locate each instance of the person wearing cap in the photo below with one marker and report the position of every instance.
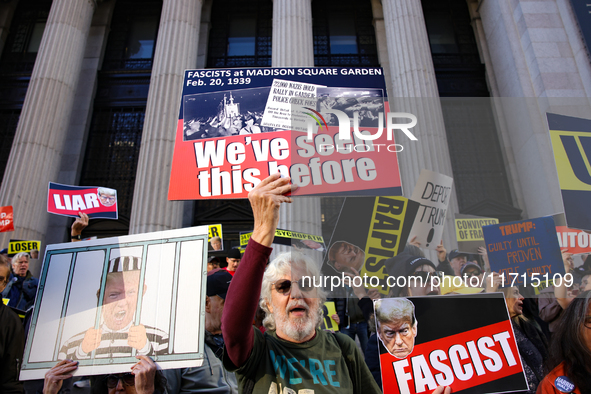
(457, 260)
(469, 270)
(233, 260)
(118, 334)
(213, 262)
(22, 287)
(211, 377)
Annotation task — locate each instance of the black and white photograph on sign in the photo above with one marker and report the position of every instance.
(223, 114)
(368, 103)
(104, 302)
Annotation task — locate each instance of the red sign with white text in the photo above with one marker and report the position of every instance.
(96, 202)
(576, 241)
(6, 219)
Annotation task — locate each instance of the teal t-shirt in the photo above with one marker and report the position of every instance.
(313, 367)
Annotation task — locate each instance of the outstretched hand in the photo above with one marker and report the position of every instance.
(79, 224)
(55, 377)
(265, 200)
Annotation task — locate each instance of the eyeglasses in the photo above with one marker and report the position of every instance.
(113, 380)
(283, 286)
(588, 321)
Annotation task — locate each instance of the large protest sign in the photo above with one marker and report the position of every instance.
(102, 302)
(571, 142)
(237, 126)
(433, 192)
(368, 233)
(96, 202)
(524, 252)
(6, 219)
(469, 231)
(295, 239)
(465, 342)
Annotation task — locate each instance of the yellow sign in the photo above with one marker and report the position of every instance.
(572, 163)
(15, 247)
(383, 240)
(328, 323)
(471, 229)
(286, 234)
(215, 230)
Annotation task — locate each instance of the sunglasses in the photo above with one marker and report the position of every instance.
(425, 275)
(283, 286)
(128, 380)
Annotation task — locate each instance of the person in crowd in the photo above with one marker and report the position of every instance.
(78, 226)
(469, 271)
(457, 260)
(250, 127)
(144, 378)
(569, 361)
(349, 315)
(396, 325)
(318, 360)
(211, 377)
(233, 260)
(530, 340)
(34, 254)
(213, 262)
(22, 287)
(4, 255)
(443, 263)
(561, 289)
(118, 334)
(12, 342)
(216, 243)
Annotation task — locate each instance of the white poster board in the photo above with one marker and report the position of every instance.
(139, 295)
(433, 192)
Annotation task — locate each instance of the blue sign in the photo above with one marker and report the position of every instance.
(524, 252)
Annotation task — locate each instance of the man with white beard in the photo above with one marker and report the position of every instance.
(293, 356)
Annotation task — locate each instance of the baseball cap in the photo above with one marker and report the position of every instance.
(467, 265)
(218, 281)
(234, 254)
(4, 251)
(455, 253)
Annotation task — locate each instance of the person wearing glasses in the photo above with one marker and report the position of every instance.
(107, 197)
(22, 287)
(144, 378)
(12, 342)
(396, 325)
(293, 355)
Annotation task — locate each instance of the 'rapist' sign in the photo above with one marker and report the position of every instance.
(96, 202)
(437, 343)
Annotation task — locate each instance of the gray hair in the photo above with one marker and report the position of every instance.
(282, 266)
(19, 255)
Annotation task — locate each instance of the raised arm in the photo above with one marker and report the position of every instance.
(245, 289)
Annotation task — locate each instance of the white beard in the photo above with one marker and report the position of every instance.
(298, 328)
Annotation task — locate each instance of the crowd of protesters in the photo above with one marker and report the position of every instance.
(259, 315)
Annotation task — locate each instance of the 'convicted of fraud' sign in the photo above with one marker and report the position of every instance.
(524, 250)
(469, 231)
(465, 342)
(571, 143)
(238, 126)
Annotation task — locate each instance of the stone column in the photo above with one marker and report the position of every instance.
(176, 51)
(415, 90)
(293, 47)
(42, 129)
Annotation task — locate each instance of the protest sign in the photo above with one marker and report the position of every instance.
(465, 342)
(571, 143)
(368, 233)
(6, 219)
(295, 239)
(433, 192)
(237, 126)
(469, 231)
(96, 202)
(524, 252)
(16, 246)
(215, 231)
(576, 241)
(328, 323)
(159, 314)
